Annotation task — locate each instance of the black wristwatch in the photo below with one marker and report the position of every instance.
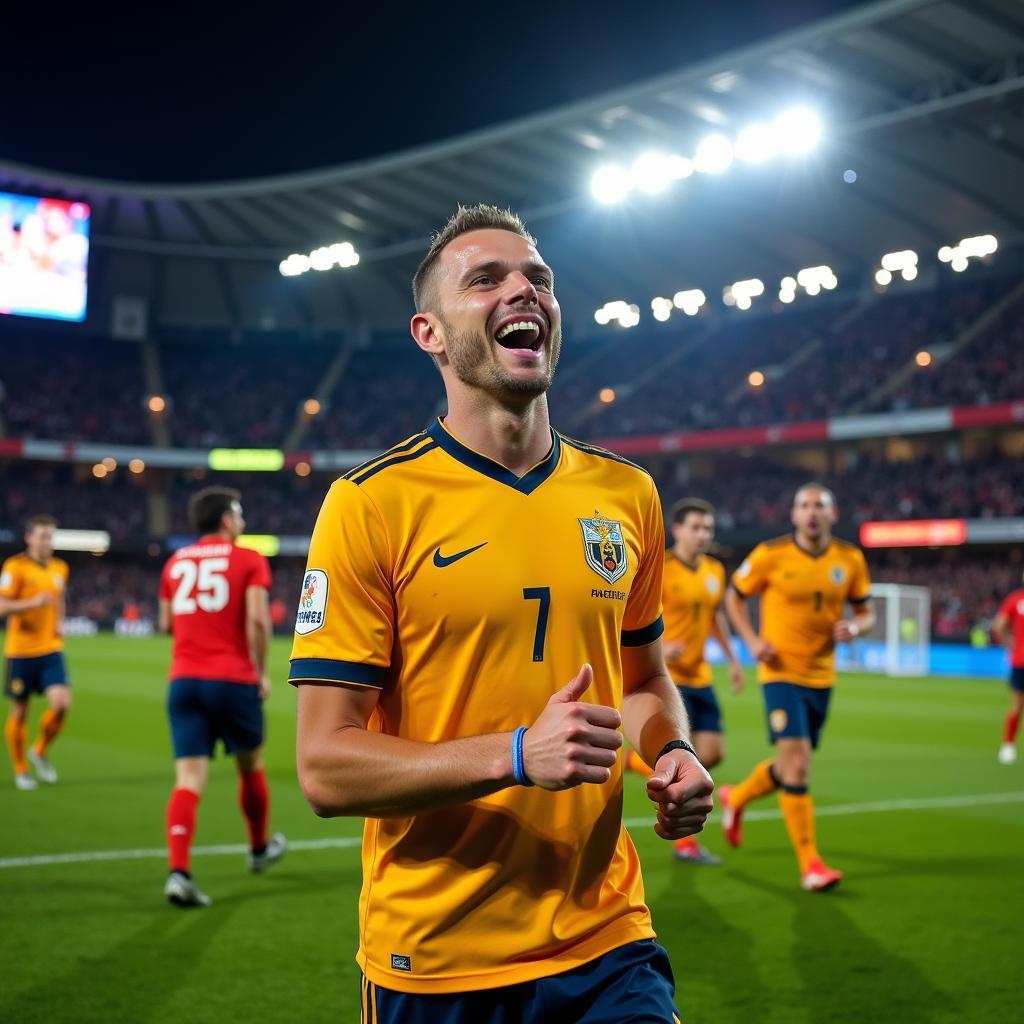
(675, 745)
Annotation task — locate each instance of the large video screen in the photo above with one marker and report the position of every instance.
(44, 255)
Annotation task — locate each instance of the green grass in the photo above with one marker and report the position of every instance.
(925, 928)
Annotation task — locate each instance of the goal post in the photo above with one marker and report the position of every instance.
(900, 643)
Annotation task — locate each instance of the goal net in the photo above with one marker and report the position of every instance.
(900, 642)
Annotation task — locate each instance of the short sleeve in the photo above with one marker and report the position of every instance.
(166, 590)
(752, 575)
(642, 623)
(10, 579)
(259, 572)
(1008, 609)
(344, 626)
(860, 581)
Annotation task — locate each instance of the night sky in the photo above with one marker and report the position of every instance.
(185, 98)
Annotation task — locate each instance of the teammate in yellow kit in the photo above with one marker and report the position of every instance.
(32, 586)
(805, 582)
(480, 613)
(692, 593)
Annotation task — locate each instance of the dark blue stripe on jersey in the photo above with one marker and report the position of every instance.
(329, 670)
(363, 477)
(602, 453)
(645, 636)
(474, 460)
(397, 450)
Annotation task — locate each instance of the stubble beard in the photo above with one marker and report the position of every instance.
(471, 360)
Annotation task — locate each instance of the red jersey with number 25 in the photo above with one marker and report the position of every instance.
(1013, 611)
(206, 584)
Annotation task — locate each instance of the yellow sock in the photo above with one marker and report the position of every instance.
(760, 782)
(635, 763)
(798, 813)
(49, 726)
(16, 732)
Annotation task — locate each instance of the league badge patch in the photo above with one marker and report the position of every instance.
(604, 547)
(312, 603)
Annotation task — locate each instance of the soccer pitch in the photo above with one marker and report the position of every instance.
(927, 827)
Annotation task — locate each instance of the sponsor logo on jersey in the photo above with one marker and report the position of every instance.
(6, 580)
(604, 548)
(401, 963)
(312, 602)
(837, 574)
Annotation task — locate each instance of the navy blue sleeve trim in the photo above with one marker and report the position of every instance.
(860, 600)
(645, 636)
(327, 670)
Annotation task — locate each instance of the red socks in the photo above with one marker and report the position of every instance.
(181, 826)
(1010, 726)
(254, 799)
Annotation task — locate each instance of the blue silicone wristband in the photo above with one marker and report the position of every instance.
(518, 768)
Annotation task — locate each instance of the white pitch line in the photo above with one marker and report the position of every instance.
(346, 842)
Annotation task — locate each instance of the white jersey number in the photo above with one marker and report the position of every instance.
(202, 584)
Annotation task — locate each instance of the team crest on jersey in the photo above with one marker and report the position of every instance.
(312, 603)
(837, 574)
(604, 547)
(6, 580)
(712, 584)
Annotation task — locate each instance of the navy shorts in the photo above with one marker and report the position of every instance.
(795, 712)
(1017, 679)
(629, 985)
(203, 711)
(25, 676)
(702, 708)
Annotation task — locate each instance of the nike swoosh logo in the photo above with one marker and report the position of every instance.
(441, 561)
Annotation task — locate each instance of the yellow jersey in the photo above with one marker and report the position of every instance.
(802, 597)
(33, 633)
(691, 596)
(467, 597)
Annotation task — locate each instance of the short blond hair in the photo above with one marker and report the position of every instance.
(480, 217)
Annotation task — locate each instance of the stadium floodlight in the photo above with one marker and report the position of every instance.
(626, 314)
(610, 184)
(742, 293)
(797, 130)
(679, 167)
(903, 262)
(651, 173)
(811, 279)
(326, 257)
(714, 155)
(976, 247)
(661, 308)
(689, 301)
(756, 143)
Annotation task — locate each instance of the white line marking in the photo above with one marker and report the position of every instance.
(347, 842)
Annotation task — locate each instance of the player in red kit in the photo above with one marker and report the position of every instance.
(1008, 630)
(214, 600)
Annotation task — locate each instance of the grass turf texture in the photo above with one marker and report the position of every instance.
(925, 928)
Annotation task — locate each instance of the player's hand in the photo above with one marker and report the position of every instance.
(843, 631)
(681, 790)
(736, 677)
(673, 650)
(572, 741)
(764, 651)
(264, 686)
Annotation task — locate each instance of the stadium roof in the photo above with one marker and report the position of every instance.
(921, 98)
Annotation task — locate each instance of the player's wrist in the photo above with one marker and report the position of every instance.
(675, 745)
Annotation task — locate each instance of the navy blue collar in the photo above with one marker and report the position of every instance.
(810, 554)
(495, 470)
